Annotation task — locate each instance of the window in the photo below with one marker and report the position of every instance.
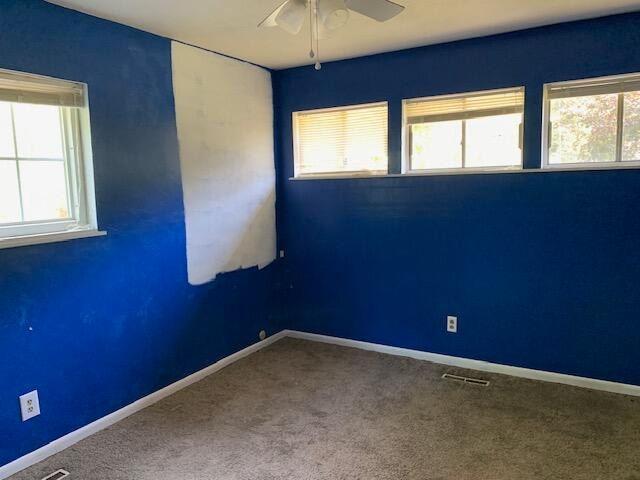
(45, 169)
(345, 140)
(593, 121)
(480, 130)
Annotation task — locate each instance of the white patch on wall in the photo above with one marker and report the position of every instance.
(224, 114)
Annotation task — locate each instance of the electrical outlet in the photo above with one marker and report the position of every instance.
(29, 405)
(281, 253)
(452, 324)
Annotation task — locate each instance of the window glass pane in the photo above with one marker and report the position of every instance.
(493, 141)
(631, 130)
(583, 129)
(6, 131)
(9, 194)
(44, 190)
(436, 145)
(38, 131)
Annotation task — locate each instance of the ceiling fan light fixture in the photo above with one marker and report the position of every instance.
(292, 15)
(333, 13)
(324, 16)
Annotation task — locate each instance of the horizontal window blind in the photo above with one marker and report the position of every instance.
(26, 88)
(457, 107)
(601, 86)
(349, 139)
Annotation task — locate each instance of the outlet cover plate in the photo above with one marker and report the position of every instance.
(29, 405)
(452, 324)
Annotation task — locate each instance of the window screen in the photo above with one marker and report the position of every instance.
(473, 130)
(593, 121)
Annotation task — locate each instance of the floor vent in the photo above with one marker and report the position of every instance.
(57, 475)
(472, 381)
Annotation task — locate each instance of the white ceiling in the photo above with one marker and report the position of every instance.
(229, 26)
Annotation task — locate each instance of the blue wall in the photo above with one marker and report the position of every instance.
(543, 269)
(96, 324)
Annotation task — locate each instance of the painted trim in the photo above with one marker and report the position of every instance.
(74, 437)
(552, 377)
(567, 167)
(22, 241)
(476, 171)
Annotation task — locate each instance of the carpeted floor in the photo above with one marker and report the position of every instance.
(300, 410)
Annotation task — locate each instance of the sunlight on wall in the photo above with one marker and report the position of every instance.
(224, 118)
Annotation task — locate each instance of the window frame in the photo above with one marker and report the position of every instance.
(462, 116)
(602, 85)
(335, 174)
(78, 166)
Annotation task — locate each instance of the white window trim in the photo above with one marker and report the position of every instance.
(355, 173)
(406, 141)
(449, 173)
(609, 84)
(80, 178)
(339, 174)
(25, 240)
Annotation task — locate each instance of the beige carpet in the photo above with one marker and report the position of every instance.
(300, 410)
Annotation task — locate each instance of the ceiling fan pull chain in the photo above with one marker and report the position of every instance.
(328, 14)
(318, 66)
(311, 52)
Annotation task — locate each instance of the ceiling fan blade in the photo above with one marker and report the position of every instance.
(270, 21)
(292, 15)
(323, 32)
(380, 10)
(333, 13)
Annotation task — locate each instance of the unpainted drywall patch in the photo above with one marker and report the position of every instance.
(224, 114)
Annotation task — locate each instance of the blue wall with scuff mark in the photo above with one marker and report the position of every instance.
(542, 269)
(96, 324)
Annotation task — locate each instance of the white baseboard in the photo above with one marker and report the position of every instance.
(104, 422)
(552, 377)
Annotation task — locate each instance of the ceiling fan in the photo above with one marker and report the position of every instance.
(326, 15)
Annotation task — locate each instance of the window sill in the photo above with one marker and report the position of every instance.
(566, 167)
(22, 241)
(464, 171)
(324, 176)
(414, 173)
(502, 171)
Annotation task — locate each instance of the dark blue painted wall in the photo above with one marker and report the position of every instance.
(543, 269)
(96, 324)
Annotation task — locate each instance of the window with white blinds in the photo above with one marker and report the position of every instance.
(46, 182)
(592, 122)
(481, 130)
(345, 140)
(34, 89)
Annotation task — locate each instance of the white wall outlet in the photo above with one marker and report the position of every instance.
(281, 253)
(29, 405)
(452, 324)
